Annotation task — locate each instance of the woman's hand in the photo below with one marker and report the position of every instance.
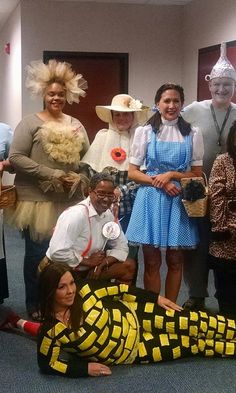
(98, 370)
(67, 181)
(171, 189)
(168, 304)
(5, 166)
(161, 180)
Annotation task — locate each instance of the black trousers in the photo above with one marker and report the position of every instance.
(225, 284)
(3, 277)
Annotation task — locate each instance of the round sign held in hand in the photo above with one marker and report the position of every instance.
(111, 230)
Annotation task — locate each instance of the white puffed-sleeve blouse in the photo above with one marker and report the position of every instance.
(168, 132)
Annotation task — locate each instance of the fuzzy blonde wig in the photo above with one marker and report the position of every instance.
(40, 76)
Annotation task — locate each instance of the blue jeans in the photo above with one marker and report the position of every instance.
(34, 253)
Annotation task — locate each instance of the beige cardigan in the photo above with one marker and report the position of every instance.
(33, 165)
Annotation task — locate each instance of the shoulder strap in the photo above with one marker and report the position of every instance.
(86, 250)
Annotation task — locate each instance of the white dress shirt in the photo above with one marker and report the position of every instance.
(74, 229)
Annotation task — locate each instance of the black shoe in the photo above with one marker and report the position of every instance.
(194, 304)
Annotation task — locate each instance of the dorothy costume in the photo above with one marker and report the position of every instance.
(159, 219)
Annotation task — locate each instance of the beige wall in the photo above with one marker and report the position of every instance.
(162, 42)
(151, 35)
(206, 23)
(10, 71)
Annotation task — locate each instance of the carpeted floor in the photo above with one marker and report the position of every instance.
(20, 374)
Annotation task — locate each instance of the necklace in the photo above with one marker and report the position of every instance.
(63, 316)
(219, 129)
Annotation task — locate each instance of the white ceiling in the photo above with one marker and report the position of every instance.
(7, 6)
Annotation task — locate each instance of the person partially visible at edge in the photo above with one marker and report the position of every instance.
(79, 240)
(5, 141)
(172, 150)
(214, 118)
(45, 154)
(110, 150)
(90, 326)
(222, 192)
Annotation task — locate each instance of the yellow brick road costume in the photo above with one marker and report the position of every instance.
(123, 325)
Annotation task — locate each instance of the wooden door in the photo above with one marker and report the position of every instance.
(106, 74)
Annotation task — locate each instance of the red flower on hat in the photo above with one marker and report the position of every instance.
(118, 154)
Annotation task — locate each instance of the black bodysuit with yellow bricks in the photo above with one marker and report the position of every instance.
(123, 325)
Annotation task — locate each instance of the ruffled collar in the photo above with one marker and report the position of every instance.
(168, 122)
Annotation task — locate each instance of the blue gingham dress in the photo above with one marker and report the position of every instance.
(159, 219)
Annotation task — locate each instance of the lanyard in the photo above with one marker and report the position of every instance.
(217, 127)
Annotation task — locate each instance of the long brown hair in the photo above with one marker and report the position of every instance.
(48, 283)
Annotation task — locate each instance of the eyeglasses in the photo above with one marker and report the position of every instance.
(110, 197)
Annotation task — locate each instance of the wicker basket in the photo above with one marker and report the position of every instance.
(197, 208)
(7, 195)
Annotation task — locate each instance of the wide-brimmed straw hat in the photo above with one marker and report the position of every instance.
(123, 103)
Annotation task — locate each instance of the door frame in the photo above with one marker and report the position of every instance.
(122, 57)
(92, 123)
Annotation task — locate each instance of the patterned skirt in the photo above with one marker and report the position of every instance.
(160, 220)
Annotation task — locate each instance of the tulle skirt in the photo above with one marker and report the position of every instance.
(39, 217)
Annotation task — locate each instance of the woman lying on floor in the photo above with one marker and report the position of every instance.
(89, 326)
